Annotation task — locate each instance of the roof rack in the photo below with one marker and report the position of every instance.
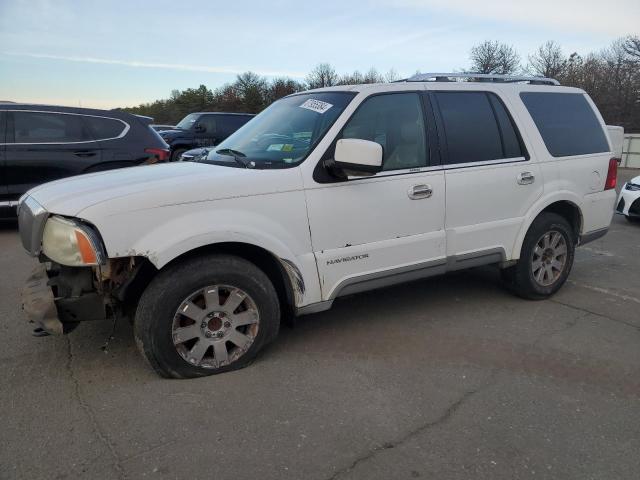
(480, 77)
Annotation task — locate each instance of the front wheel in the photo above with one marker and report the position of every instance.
(206, 315)
(545, 260)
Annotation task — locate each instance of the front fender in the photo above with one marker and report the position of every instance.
(535, 210)
(277, 224)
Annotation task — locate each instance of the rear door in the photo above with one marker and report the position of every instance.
(491, 180)
(43, 146)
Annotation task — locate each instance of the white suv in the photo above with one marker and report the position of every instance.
(325, 193)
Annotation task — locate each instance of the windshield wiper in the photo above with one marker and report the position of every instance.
(237, 156)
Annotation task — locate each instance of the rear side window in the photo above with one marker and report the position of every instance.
(477, 127)
(44, 127)
(567, 123)
(105, 128)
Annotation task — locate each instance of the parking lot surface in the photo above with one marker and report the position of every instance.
(447, 378)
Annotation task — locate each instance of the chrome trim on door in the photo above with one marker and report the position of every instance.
(371, 281)
(127, 127)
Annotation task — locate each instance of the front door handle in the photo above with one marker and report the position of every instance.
(526, 178)
(85, 153)
(420, 191)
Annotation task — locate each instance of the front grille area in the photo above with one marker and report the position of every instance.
(620, 207)
(31, 218)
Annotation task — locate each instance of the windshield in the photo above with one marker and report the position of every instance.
(187, 122)
(282, 135)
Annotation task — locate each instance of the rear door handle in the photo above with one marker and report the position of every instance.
(85, 153)
(526, 178)
(418, 192)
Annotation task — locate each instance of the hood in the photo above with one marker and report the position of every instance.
(173, 133)
(154, 186)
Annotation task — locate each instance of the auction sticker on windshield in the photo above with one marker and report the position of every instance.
(316, 105)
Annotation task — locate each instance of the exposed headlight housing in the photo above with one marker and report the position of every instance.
(632, 186)
(71, 243)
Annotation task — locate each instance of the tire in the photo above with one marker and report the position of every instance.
(539, 273)
(175, 155)
(161, 321)
(632, 219)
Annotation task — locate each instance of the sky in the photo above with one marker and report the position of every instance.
(113, 53)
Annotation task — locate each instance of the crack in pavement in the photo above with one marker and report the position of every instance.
(581, 309)
(567, 326)
(449, 412)
(90, 413)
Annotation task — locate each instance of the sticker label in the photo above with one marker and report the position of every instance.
(317, 106)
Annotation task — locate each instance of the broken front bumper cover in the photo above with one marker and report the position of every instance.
(58, 315)
(39, 303)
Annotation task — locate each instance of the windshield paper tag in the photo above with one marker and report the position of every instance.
(317, 106)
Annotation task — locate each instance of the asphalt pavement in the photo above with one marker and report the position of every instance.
(446, 378)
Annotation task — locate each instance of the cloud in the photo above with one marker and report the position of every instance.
(612, 17)
(165, 66)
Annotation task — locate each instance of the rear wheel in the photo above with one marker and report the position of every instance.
(205, 316)
(545, 260)
(175, 155)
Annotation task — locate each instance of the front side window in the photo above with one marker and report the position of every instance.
(396, 122)
(477, 127)
(44, 127)
(187, 122)
(283, 134)
(566, 122)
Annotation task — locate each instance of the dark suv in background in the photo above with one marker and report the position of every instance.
(202, 129)
(41, 143)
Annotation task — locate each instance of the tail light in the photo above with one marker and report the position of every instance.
(612, 175)
(160, 154)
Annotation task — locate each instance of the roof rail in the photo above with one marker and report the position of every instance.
(480, 77)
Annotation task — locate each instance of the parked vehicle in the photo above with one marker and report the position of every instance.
(162, 128)
(192, 154)
(325, 193)
(41, 143)
(629, 200)
(202, 129)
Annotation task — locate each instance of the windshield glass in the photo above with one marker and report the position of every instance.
(187, 122)
(283, 134)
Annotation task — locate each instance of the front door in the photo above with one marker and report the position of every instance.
(5, 206)
(374, 231)
(46, 146)
(491, 180)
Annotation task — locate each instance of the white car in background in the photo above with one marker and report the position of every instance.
(629, 200)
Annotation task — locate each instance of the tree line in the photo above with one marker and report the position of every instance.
(611, 77)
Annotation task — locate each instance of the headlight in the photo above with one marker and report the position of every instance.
(632, 186)
(70, 243)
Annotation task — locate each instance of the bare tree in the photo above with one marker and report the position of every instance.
(391, 76)
(548, 60)
(494, 57)
(323, 75)
(631, 46)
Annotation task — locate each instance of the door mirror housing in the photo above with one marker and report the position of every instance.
(358, 158)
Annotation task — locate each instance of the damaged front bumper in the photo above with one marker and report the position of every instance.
(53, 312)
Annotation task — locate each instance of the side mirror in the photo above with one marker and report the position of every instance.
(358, 158)
(199, 128)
